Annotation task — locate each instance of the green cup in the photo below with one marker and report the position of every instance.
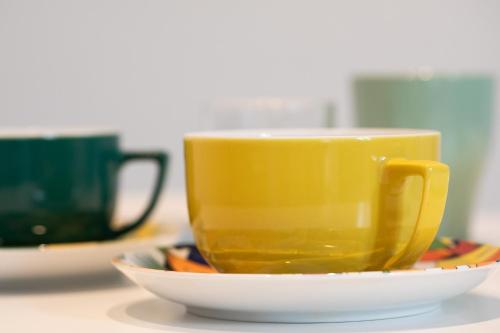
(459, 106)
(61, 186)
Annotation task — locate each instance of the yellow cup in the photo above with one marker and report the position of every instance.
(314, 201)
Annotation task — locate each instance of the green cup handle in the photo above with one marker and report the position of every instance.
(161, 159)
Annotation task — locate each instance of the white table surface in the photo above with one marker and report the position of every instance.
(111, 304)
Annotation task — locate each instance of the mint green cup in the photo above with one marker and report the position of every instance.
(61, 185)
(459, 106)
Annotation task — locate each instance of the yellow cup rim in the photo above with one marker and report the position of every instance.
(311, 133)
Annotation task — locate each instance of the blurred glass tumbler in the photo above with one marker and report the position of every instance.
(460, 106)
(267, 112)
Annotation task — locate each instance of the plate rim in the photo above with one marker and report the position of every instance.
(120, 263)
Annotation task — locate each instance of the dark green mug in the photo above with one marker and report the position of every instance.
(60, 186)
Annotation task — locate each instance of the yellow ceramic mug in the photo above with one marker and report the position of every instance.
(314, 201)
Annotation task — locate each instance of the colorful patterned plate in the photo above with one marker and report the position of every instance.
(179, 274)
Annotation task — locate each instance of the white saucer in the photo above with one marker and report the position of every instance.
(77, 259)
(300, 298)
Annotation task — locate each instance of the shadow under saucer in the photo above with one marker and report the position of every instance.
(156, 313)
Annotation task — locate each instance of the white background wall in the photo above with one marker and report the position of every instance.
(147, 66)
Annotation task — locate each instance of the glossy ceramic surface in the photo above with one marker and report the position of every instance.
(314, 201)
(311, 297)
(459, 106)
(61, 186)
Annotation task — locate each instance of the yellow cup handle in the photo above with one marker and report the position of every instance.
(435, 177)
